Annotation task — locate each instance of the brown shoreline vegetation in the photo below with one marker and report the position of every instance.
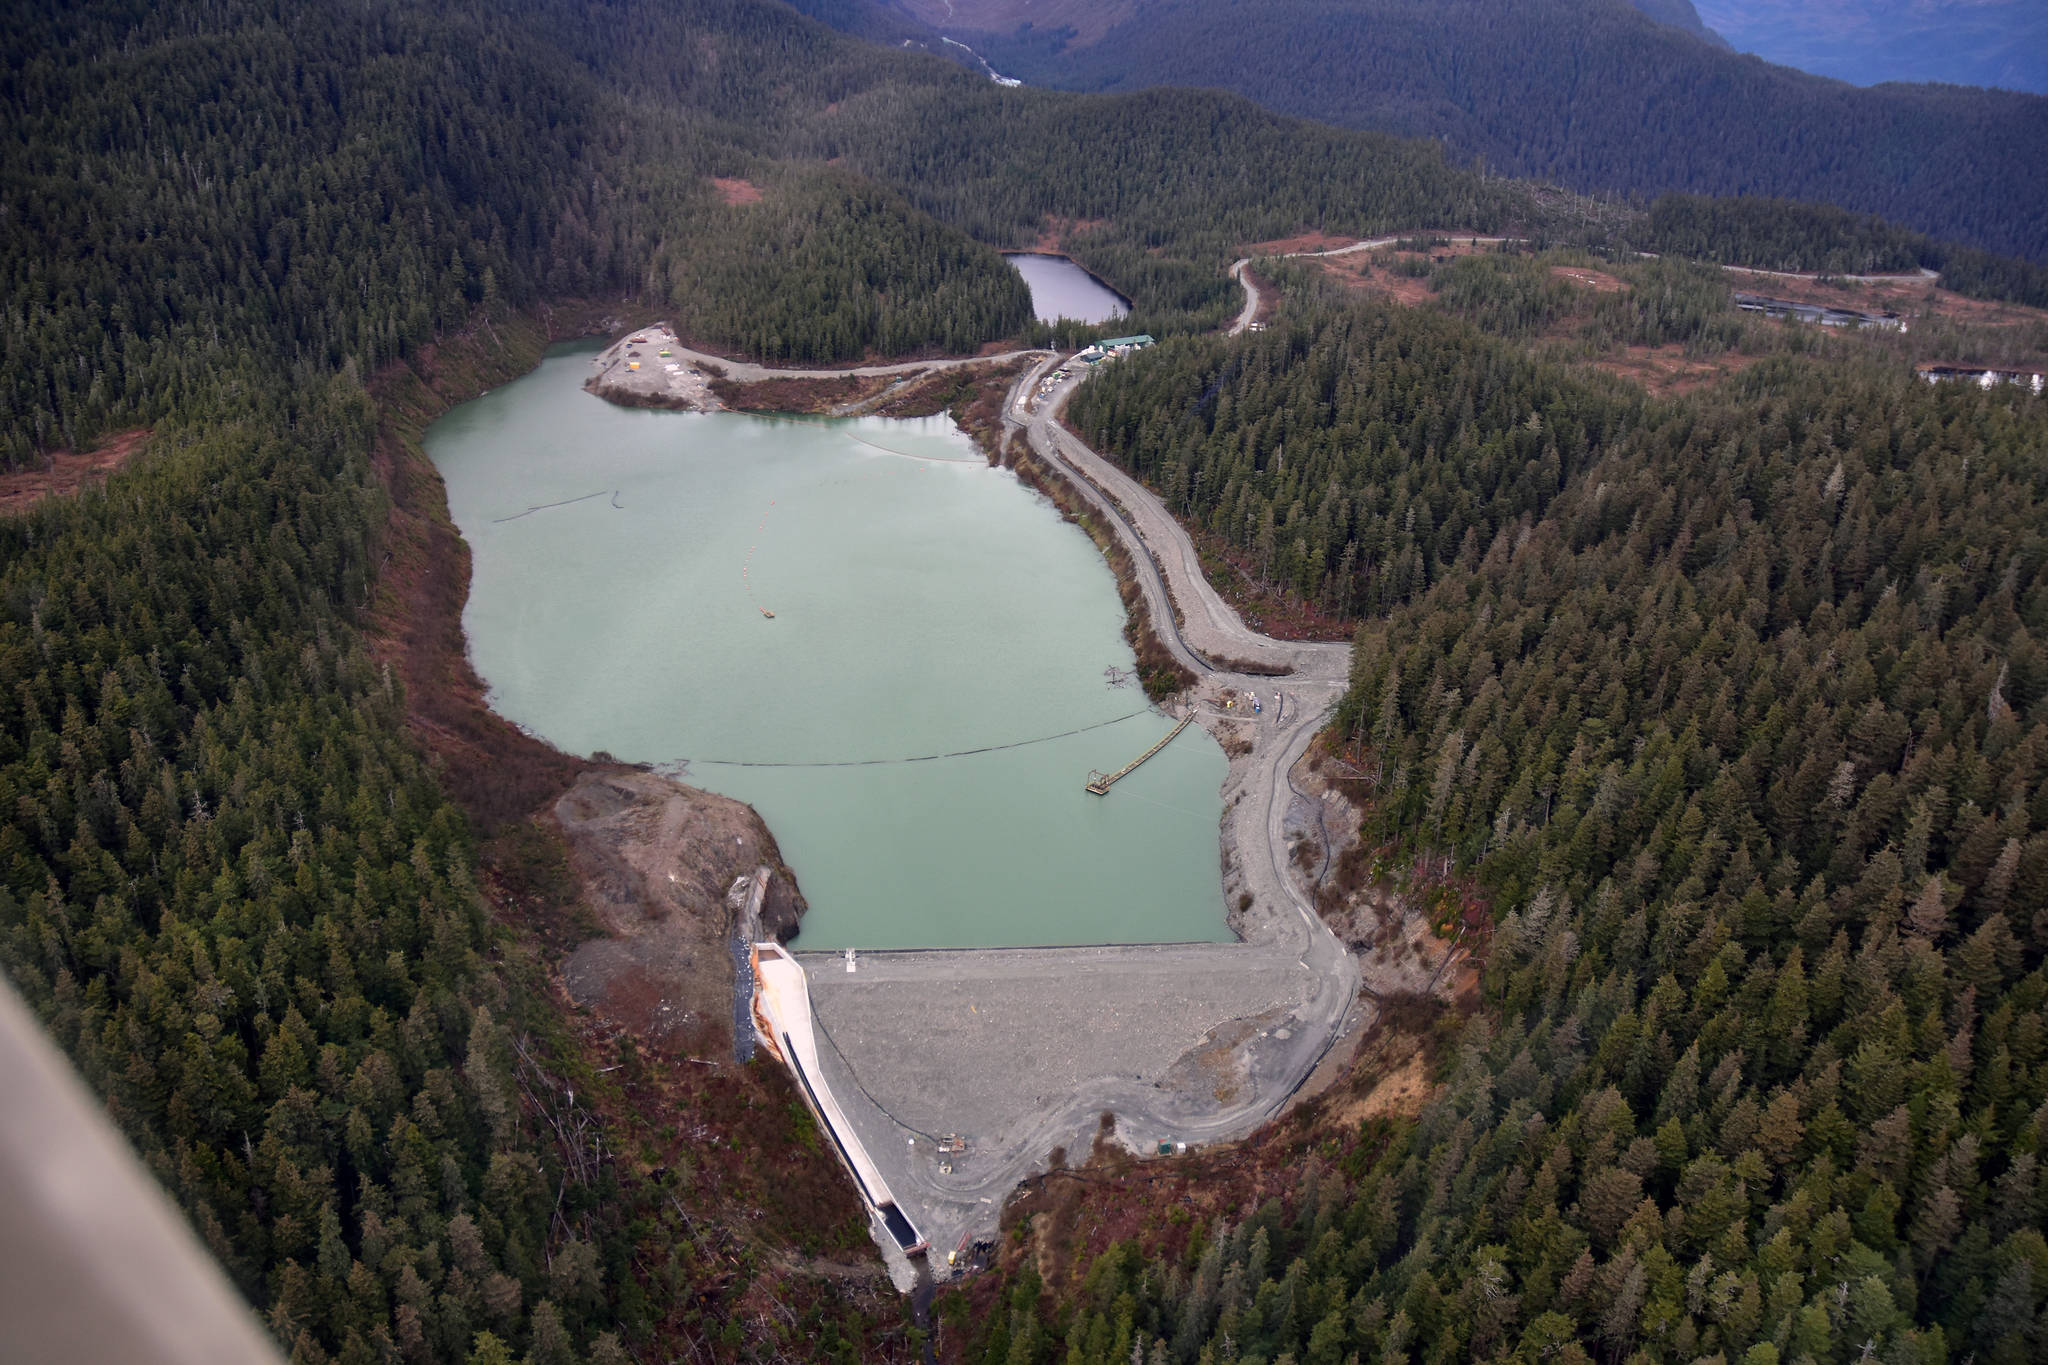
(1161, 674)
(751, 1223)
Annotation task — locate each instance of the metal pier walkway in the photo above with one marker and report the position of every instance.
(1100, 784)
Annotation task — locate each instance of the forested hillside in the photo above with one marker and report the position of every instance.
(1351, 456)
(1775, 234)
(207, 207)
(1589, 93)
(1733, 704)
(212, 207)
(231, 883)
(877, 276)
(1736, 706)
(1160, 188)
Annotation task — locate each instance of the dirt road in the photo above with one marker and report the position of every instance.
(1204, 633)
(747, 372)
(1251, 290)
(649, 367)
(1025, 1048)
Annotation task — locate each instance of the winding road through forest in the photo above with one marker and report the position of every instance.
(1025, 1048)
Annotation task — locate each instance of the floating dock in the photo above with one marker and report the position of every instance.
(1100, 783)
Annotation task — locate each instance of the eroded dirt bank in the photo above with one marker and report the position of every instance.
(656, 859)
(646, 850)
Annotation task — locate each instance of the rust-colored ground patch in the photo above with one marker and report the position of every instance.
(963, 390)
(1401, 1093)
(737, 191)
(1359, 273)
(496, 771)
(67, 471)
(797, 394)
(1906, 295)
(1660, 369)
(1302, 241)
(1053, 237)
(1668, 369)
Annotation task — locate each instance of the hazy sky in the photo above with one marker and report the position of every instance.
(1967, 42)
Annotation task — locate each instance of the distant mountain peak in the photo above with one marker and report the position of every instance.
(1680, 14)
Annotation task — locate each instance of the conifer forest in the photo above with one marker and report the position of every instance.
(1724, 701)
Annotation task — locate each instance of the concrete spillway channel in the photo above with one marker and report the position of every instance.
(956, 1072)
(782, 1014)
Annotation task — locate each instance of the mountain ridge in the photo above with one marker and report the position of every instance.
(1593, 94)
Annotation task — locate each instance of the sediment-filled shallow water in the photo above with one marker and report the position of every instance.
(1061, 289)
(924, 604)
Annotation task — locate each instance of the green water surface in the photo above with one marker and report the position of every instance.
(924, 604)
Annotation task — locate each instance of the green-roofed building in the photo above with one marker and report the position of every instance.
(1114, 342)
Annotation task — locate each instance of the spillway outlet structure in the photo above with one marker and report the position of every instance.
(782, 1019)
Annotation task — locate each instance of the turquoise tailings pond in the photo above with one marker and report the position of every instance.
(917, 718)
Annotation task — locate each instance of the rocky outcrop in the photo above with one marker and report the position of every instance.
(656, 859)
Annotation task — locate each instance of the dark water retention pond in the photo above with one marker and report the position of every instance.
(915, 721)
(1061, 289)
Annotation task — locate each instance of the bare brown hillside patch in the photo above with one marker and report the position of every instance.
(797, 394)
(735, 191)
(1668, 369)
(1360, 273)
(64, 472)
(496, 771)
(1053, 237)
(1907, 295)
(1301, 241)
(1400, 1093)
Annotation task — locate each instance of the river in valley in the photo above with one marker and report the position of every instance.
(1061, 289)
(935, 625)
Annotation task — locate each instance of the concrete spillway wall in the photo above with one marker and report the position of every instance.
(782, 1016)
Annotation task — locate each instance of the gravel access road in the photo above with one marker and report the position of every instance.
(649, 367)
(1020, 1050)
(1251, 291)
